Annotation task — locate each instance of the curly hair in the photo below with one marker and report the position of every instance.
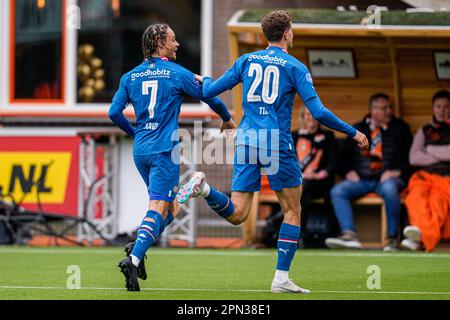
(153, 34)
(275, 23)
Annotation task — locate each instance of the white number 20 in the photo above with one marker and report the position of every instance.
(146, 85)
(271, 74)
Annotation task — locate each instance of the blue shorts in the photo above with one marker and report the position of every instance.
(161, 174)
(281, 167)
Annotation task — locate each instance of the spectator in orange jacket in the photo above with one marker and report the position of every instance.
(428, 197)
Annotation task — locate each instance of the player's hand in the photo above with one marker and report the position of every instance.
(229, 127)
(198, 78)
(361, 138)
(352, 176)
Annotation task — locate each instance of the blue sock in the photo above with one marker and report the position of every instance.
(148, 232)
(287, 245)
(220, 203)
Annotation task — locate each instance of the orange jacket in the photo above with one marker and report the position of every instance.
(428, 204)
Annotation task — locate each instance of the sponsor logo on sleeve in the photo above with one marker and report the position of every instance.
(308, 78)
(197, 83)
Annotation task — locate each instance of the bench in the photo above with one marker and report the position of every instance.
(371, 199)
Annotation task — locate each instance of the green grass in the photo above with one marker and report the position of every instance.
(187, 274)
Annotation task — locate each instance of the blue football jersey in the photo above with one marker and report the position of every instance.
(156, 88)
(270, 80)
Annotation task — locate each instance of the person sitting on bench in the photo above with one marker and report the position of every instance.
(428, 193)
(382, 169)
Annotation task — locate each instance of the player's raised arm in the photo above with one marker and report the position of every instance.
(227, 81)
(304, 86)
(119, 103)
(190, 85)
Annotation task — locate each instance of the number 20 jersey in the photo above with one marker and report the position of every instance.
(270, 81)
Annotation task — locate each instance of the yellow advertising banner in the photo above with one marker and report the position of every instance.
(32, 172)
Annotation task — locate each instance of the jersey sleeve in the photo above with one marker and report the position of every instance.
(328, 118)
(119, 103)
(121, 97)
(303, 82)
(190, 85)
(227, 81)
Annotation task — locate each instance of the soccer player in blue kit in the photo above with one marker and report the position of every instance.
(156, 88)
(270, 80)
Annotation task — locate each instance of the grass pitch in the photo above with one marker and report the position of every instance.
(188, 274)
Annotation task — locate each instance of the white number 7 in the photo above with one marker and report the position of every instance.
(145, 92)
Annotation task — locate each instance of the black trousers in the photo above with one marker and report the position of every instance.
(317, 220)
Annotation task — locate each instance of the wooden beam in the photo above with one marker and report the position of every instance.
(436, 46)
(301, 41)
(395, 77)
(352, 30)
(233, 45)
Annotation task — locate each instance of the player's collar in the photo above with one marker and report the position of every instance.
(161, 58)
(278, 48)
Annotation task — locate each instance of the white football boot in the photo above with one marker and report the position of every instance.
(288, 287)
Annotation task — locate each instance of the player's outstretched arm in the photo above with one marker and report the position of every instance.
(220, 108)
(120, 102)
(303, 83)
(329, 119)
(191, 84)
(227, 81)
(213, 88)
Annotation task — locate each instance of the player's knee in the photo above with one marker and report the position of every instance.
(292, 217)
(237, 218)
(293, 212)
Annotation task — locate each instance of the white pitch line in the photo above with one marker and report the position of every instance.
(201, 252)
(230, 290)
(386, 292)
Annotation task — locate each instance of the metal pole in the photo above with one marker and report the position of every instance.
(91, 175)
(81, 156)
(114, 185)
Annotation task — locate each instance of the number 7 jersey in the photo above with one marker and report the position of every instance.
(270, 80)
(156, 88)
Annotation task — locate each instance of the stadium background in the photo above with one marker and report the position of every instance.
(57, 81)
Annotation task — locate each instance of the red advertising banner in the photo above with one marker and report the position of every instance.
(41, 169)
